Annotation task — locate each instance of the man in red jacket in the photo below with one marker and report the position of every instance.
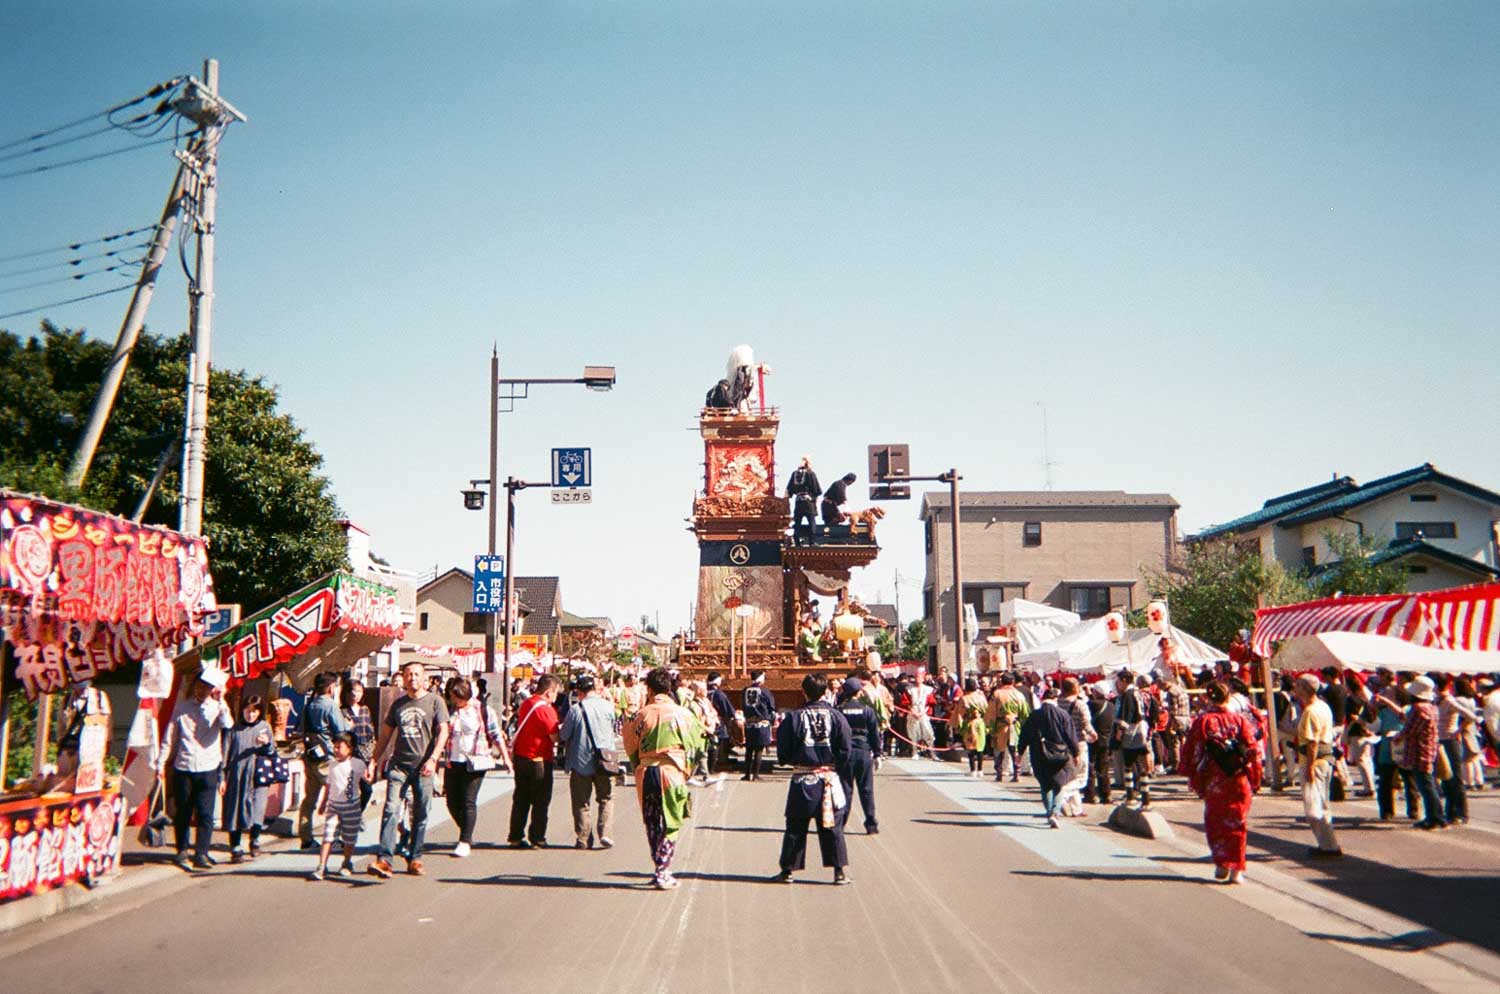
(534, 748)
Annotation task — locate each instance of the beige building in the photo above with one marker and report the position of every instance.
(445, 616)
(1082, 550)
(1441, 528)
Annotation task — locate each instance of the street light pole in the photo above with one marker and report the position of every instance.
(958, 584)
(489, 620)
(512, 611)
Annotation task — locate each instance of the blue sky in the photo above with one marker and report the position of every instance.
(1233, 248)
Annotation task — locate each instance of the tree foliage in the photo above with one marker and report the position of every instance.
(1353, 569)
(914, 644)
(269, 514)
(885, 644)
(1215, 591)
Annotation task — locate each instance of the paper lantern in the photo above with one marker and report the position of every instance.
(848, 627)
(1114, 626)
(1157, 617)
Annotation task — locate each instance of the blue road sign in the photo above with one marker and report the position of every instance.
(572, 467)
(489, 584)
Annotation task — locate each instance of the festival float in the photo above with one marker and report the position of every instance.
(82, 595)
(755, 584)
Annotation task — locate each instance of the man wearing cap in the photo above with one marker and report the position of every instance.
(803, 489)
(725, 710)
(1315, 757)
(1419, 748)
(864, 743)
(193, 746)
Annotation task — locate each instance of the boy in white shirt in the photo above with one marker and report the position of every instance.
(339, 805)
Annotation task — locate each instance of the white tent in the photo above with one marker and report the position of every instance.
(1362, 651)
(1032, 624)
(1139, 653)
(1070, 645)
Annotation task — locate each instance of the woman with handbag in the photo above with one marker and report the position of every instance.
(1222, 760)
(473, 735)
(248, 756)
(1053, 745)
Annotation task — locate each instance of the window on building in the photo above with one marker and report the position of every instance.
(1416, 569)
(1089, 602)
(928, 606)
(931, 525)
(422, 621)
(474, 622)
(1426, 529)
(1309, 556)
(1031, 533)
(989, 602)
(1424, 498)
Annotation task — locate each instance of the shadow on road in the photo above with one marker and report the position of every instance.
(1168, 878)
(536, 880)
(737, 828)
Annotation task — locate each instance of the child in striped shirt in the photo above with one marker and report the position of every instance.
(339, 805)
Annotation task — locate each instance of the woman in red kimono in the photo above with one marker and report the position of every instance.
(1223, 765)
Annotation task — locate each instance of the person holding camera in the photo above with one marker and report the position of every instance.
(194, 746)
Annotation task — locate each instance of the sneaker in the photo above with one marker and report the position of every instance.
(606, 843)
(1052, 821)
(462, 850)
(316, 874)
(346, 870)
(183, 861)
(414, 867)
(237, 856)
(254, 850)
(1236, 877)
(1221, 873)
(667, 882)
(380, 868)
(872, 829)
(520, 844)
(580, 844)
(840, 878)
(784, 877)
(203, 863)
(309, 844)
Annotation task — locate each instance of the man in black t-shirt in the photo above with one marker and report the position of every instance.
(836, 497)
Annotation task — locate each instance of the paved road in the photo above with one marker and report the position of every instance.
(963, 889)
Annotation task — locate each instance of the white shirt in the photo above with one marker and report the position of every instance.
(466, 734)
(195, 735)
(343, 782)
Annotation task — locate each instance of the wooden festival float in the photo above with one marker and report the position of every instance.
(755, 584)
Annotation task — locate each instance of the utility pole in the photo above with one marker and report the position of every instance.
(130, 331)
(898, 614)
(512, 610)
(213, 115)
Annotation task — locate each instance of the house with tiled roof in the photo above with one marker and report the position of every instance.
(1444, 529)
(445, 618)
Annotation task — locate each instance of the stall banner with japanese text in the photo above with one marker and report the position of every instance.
(44, 845)
(299, 623)
(83, 593)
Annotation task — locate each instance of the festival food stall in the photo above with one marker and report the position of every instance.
(82, 594)
(328, 625)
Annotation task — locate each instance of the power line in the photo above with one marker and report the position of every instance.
(155, 91)
(76, 261)
(75, 246)
(86, 158)
(71, 300)
(125, 264)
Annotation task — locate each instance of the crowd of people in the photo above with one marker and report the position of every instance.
(1426, 735)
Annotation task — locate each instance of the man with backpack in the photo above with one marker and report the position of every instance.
(321, 721)
(588, 735)
(1134, 724)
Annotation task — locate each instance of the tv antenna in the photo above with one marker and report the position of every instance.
(1047, 462)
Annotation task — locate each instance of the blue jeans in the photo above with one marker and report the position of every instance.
(1049, 800)
(397, 783)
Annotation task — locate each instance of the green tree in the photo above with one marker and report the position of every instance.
(269, 513)
(1353, 570)
(885, 644)
(1215, 592)
(914, 644)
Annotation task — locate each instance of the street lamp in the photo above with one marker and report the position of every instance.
(599, 378)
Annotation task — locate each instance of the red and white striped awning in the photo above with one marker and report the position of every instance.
(1461, 618)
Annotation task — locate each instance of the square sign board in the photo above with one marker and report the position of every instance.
(572, 467)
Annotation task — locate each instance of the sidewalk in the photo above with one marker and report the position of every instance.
(144, 867)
